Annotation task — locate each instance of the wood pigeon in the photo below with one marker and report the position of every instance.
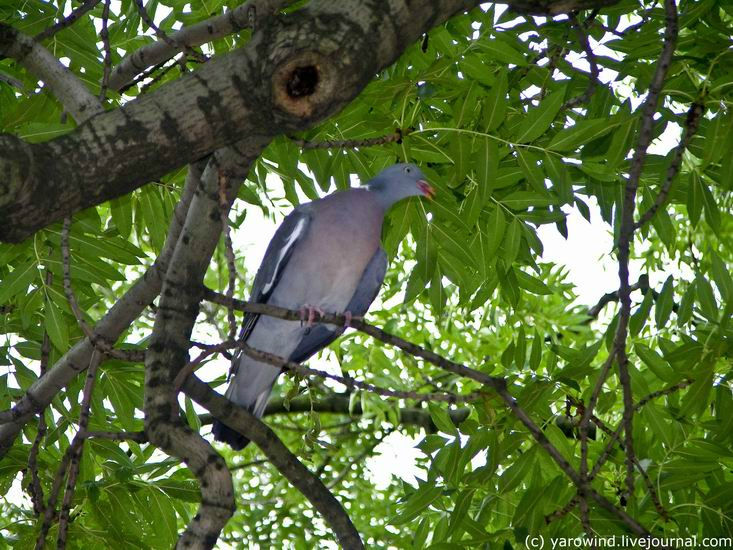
(325, 256)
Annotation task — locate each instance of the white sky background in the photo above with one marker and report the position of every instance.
(586, 254)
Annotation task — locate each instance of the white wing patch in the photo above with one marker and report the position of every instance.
(283, 251)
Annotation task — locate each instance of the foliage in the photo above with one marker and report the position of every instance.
(481, 103)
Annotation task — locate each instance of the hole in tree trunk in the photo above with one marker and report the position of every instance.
(302, 81)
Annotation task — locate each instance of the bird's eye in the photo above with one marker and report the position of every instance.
(408, 170)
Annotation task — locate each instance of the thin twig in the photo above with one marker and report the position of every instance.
(97, 340)
(594, 70)
(78, 445)
(642, 284)
(564, 511)
(395, 136)
(198, 56)
(107, 63)
(694, 114)
(301, 370)
(66, 21)
(138, 437)
(626, 234)
(232, 21)
(73, 453)
(35, 488)
(229, 253)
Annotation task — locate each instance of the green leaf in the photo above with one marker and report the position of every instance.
(696, 398)
(56, 327)
(529, 164)
(531, 283)
(722, 277)
(520, 348)
(656, 363)
(457, 247)
(495, 230)
(460, 510)
(684, 313)
(494, 107)
(558, 174)
(502, 52)
(512, 240)
(706, 298)
(535, 354)
(694, 199)
(665, 302)
(18, 280)
(442, 419)
(656, 421)
(712, 212)
(521, 200)
(487, 167)
(582, 132)
(537, 120)
(621, 142)
(418, 502)
(121, 210)
(518, 471)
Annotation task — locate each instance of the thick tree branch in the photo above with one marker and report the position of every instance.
(66, 87)
(229, 22)
(287, 464)
(170, 342)
(114, 323)
(556, 7)
(296, 71)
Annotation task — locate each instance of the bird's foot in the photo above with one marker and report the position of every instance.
(309, 313)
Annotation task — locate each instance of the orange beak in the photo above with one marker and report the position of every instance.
(427, 189)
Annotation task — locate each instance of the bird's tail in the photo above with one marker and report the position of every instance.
(250, 388)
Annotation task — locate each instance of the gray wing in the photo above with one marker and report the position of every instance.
(321, 335)
(291, 231)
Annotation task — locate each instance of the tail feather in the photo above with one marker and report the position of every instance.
(250, 388)
(224, 433)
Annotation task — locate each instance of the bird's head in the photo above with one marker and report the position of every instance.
(399, 182)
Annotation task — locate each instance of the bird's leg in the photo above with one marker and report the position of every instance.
(347, 318)
(310, 313)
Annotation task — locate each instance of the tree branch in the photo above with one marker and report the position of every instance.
(114, 323)
(167, 353)
(694, 114)
(158, 52)
(66, 21)
(338, 403)
(594, 70)
(626, 235)
(68, 89)
(302, 80)
(278, 454)
(499, 385)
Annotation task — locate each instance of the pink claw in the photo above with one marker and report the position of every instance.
(311, 313)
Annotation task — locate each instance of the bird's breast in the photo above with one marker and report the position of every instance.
(332, 259)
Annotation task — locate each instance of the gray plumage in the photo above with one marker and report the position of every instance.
(325, 254)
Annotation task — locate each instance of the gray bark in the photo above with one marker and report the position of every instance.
(297, 70)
